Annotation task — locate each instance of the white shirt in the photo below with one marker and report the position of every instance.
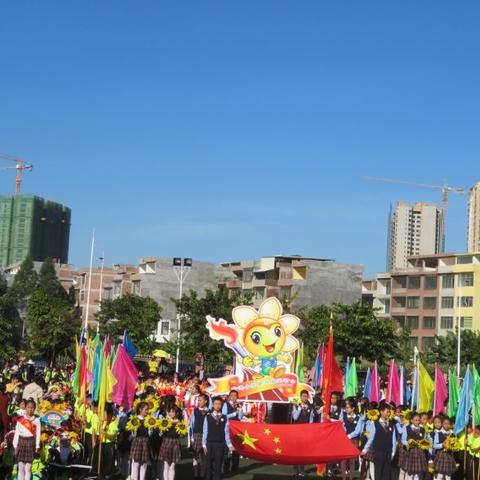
(21, 431)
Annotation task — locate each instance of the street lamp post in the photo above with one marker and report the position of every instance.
(181, 267)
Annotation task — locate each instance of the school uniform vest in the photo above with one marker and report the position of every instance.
(142, 431)
(415, 435)
(350, 423)
(171, 433)
(232, 409)
(198, 419)
(305, 414)
(334, 412)
(383, 440)
(216, 428)
(442, 436)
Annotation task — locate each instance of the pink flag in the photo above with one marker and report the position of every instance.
(441, 392)
(126, 374)
(375, 385)
(393, 390)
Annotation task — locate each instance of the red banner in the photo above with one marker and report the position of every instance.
(292, 444)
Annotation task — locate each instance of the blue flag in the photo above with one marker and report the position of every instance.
(130, 348)
(465, 404)
(366, 388)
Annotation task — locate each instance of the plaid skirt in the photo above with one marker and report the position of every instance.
(368, 455)
(197, 442)
(170, 450)
(402, 453)
(444, 463)
(25, 450)
(415, 461)
(140, 450)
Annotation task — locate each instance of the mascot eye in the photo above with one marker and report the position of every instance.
(256, 338)
(278, 331)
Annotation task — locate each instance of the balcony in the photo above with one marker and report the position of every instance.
(233, 284)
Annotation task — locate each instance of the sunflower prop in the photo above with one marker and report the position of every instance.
(151, 422)
(412, 443)
(428, 428)
(133, 424)
(165, 424)
(153, 404)
(181, 428)
(373, 414)
(452, 444)
(424, 444)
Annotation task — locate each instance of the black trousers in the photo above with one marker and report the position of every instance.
(108, 459)
(382, 462)
(199, 470)
(215, 457)
(231, 462)
(88, 448)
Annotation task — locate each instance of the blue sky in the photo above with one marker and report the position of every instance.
(230, 130)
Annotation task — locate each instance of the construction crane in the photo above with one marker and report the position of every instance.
(20, 166)
(445, 190)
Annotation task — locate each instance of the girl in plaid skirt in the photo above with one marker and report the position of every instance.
(415, 462)
(170, 447)
(444, 461)
(26, 441)
(140, 449)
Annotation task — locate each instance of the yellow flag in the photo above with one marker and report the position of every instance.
(108, 381)
(426, 388)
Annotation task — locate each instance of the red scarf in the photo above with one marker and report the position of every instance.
(28, 424)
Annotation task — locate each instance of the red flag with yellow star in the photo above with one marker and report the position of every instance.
(292, 444)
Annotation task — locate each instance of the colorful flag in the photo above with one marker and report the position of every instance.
(332, 375)
(453, 394)
(107, 380)
(368, 384)
(299, 364)
(393, 387)
(476, 396)
(126, 375)
(441, 392)
(292, 444)
(466, 399)
(426, 388)
(76, 373)
(130, 348)
(351, 384)
(317, 370)
(375, 384)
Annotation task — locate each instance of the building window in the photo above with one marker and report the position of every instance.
(466, 279)
(117, 289)
(412, 322)
(447, 302)
(165, 327)
(413, 283)
(413, 342)
(465, 302)
(413, 302)
(429, 322)
(400, 282)
(430, 303)
(428, 343)
(466, 322)
(446, 322)
(82, 295)
(399, 302)
(430, 283)
(448, 281)
(387, 306)
(136, 287)
(247, 276)
(388, 287)
(259, 293)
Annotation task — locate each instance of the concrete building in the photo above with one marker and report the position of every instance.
(33, 226)
(431, 295)
(414, 230)
(299, 281)
(473, 235)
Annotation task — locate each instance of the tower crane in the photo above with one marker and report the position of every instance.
(445, 190)
(20, 166)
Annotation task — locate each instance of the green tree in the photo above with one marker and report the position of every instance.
(138, 315)
(52, 320)
(357, 331)
(195, 336)
(10, 328)
(24, 284)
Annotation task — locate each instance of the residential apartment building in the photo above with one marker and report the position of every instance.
(431, 295)
(473, 235)
(298, 281)
(414, 230)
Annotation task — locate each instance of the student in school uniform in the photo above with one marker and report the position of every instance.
(108, 437)
(302, 413)
(26, 441)
(353, 425)
(233, 411)
(444, 461)
(140, 451)
(197, 420)
(170, 453)
(415, 459)
(381, 443)
(215, 440)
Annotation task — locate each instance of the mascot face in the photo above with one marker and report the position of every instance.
(266, 332)
(264, 338)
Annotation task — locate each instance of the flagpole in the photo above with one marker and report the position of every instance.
(87, 308)
(435, 392)
(459, 322)
(414, 389)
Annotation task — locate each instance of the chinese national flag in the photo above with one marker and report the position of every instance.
(332, 376)
(292, 444)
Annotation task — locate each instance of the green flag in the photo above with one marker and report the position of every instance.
(299, 364)
(351, 385)
(476, 397)
(453, 394)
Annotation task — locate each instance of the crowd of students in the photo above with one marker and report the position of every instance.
(170, 416)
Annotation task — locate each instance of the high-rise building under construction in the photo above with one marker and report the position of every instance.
(31, 225)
